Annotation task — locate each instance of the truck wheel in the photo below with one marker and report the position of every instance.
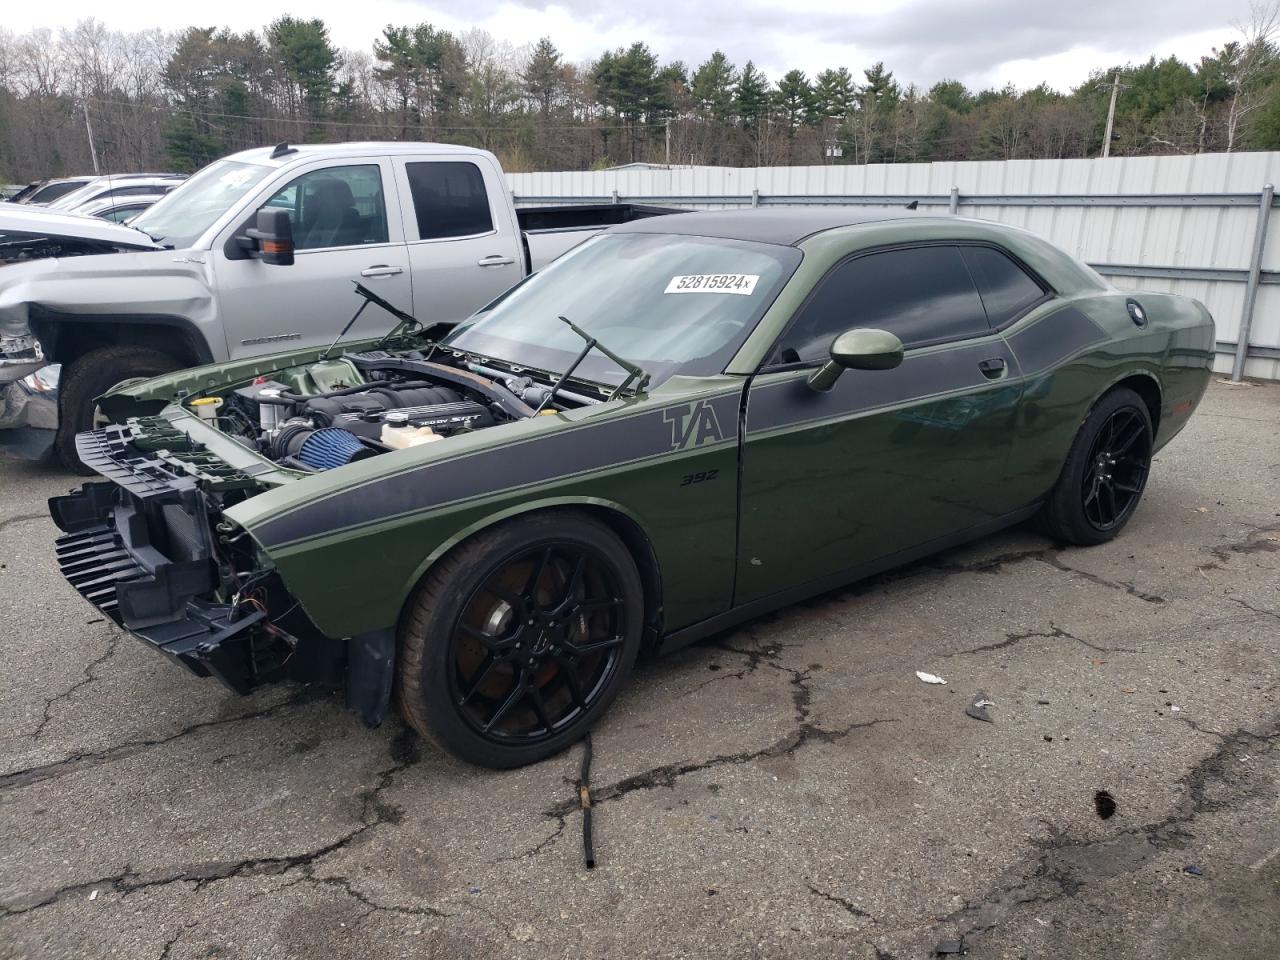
(87, 378)
(517, 642)
(1104, 474)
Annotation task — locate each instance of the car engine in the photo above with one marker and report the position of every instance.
(375, 403)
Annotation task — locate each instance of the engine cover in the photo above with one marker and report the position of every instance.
(445, 418)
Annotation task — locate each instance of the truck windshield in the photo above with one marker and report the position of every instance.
(179, 218)
(670, 304)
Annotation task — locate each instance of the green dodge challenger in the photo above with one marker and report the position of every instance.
(681, 424)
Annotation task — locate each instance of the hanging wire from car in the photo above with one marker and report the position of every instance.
(584, 801)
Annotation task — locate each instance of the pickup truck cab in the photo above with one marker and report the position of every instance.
(431, 228)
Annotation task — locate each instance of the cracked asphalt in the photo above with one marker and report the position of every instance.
(789, 789)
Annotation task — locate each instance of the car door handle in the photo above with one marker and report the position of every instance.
(497, 260)
(994, 368)
(381, 270)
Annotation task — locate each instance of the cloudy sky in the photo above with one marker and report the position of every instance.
(981, 42)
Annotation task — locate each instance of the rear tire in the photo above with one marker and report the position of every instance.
(88, 377)
(1105, 472)
(516, 642)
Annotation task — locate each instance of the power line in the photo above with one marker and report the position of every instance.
(382, 121)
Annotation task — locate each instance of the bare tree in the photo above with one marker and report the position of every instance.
(1248, 64)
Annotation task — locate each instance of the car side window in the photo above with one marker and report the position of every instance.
(449, 199)
(921, 294)
(1007, 290)
(335, 207)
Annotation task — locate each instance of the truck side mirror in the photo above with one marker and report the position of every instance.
(273, 236)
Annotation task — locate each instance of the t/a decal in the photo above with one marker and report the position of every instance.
(693, 424)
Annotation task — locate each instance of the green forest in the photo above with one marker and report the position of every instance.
(155, 100)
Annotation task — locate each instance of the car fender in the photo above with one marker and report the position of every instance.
(162, 286)
(517, 510)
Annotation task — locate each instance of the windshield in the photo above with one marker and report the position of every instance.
(670, 304)
(179, 218)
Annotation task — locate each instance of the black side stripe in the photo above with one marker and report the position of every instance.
(436, 484)
(791, 403)
(1049, 341)
(1054, 338)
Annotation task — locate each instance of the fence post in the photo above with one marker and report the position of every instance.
(1251, 291)
(755, 197)
(954, 203)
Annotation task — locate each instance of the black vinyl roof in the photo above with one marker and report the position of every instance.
(783, 226)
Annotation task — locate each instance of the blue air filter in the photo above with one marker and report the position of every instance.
(331, 447)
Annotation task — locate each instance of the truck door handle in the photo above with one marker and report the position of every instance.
(381, 270)
(497, 260)
(993, 369)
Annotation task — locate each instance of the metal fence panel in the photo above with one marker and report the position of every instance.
(1184, 223)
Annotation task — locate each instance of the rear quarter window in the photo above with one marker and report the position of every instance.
(1007, 290)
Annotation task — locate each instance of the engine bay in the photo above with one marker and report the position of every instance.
(332, 412)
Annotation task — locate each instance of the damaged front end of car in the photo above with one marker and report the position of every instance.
(153, 551)
(157, 549)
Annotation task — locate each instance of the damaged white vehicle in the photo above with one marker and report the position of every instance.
(28, 383)
(431, 228)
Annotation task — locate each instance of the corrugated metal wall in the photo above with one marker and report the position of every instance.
(1202, 229)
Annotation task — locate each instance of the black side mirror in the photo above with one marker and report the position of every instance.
(273, 237)
(858, 349)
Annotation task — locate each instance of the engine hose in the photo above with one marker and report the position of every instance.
(286, 397)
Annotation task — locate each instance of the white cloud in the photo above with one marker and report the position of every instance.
(922, 41)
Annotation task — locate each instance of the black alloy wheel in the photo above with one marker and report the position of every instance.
(517, 641)
(1105, 472)
(1118, 464)
(536, 643)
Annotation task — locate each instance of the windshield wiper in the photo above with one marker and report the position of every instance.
(152, 237)
(634, 373)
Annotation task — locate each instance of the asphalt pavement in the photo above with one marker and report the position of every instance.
(789, 789)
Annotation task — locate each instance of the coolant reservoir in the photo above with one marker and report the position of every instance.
(397, 438)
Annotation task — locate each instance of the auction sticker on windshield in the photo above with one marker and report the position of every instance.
(739, 283)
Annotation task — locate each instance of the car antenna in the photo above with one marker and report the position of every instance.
(914, 204)
(282, 150)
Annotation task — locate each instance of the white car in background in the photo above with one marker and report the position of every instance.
(117, 209)
(38, 193)
(34, 233)
(118, 187)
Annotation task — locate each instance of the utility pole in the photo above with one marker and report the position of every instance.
(667, 130)
(1111, 114)
(88, 127)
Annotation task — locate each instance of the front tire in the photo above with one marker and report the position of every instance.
(515, 643)
(87, 378)
(1105, 472)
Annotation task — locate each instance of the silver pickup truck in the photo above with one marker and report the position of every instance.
(431, 228)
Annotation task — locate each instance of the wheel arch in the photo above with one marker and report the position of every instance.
(1146, 385)
(619, 519)
(67, 337)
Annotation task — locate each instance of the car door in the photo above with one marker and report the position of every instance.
(346, 229)
(886, 460)
(464, 245)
